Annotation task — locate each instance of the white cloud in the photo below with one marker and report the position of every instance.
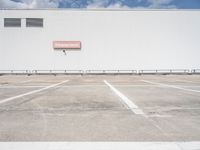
(104, 4)
(43, 4)
(11, 4)
(29, 4)
(118, 5)
(97, 3)
(152, 4)
(91, 4)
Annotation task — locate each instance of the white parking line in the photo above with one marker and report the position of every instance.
(95, 85)
(32, 92)
(171, 86)
(125, 100)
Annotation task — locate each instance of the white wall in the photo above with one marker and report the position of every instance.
(110, 40)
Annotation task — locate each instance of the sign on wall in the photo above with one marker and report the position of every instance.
(66, 45)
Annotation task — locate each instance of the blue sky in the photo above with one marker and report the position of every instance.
(118, 4)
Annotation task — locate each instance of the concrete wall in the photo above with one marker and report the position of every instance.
(110, 40)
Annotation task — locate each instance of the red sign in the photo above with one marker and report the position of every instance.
(66, 44)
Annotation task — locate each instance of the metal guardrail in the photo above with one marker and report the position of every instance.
(195, 71)
(57, 72)
(111, 72)
(99, 72)
(30, 72)
(15, 71)
(165, 71)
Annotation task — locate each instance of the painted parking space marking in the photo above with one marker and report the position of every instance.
(95, 85)
(171, 86)
(128, 103)
(32, 92)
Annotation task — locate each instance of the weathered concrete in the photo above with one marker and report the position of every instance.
(86, 109)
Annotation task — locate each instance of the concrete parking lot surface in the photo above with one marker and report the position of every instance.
(100, 108)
